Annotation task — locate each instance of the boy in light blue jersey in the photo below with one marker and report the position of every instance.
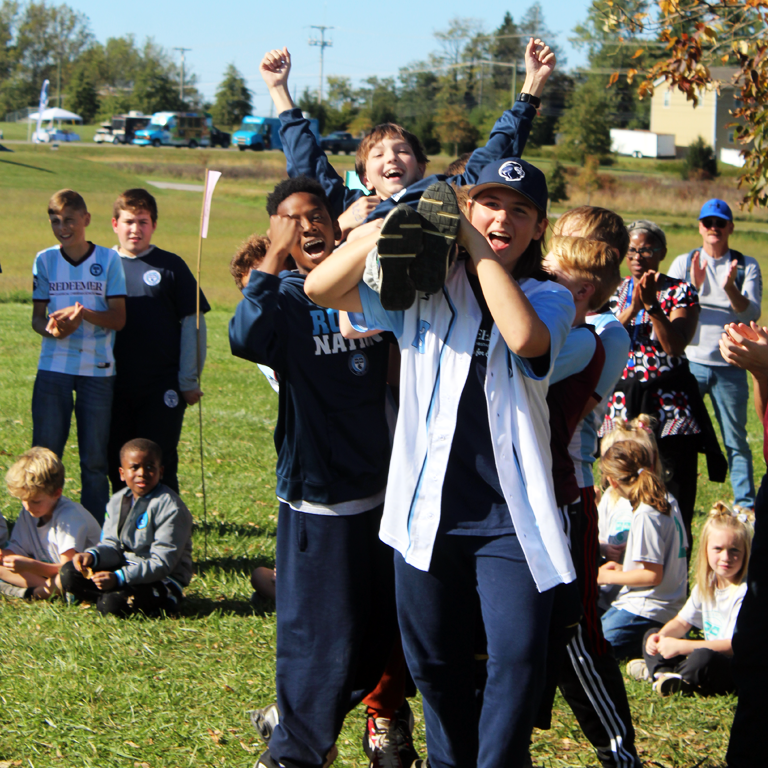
(79, 303)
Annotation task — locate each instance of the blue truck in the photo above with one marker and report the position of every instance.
(260, 133)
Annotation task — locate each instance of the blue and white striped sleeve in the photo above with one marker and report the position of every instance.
(40, 288)
(115, 276)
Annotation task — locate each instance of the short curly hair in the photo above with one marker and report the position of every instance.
(294, 186)
(250, 253)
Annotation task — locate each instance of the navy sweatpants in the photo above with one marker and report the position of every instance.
(336, 625)
(157, 415)
(438, 612)
(590, 679)
(750, 665)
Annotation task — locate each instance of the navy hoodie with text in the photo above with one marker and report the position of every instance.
(331, 436)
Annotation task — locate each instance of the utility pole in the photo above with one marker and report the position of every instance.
(181, 81)
(323, 44)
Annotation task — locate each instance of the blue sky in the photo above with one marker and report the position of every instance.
(368, 39)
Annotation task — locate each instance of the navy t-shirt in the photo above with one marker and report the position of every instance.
(472, 502)
(161, 290)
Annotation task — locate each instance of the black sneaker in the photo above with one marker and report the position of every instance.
(398, 245)
(264, 720)
(439, 211)
(389, 743)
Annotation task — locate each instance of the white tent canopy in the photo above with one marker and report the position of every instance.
(56, 113)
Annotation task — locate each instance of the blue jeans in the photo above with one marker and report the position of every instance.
(52, 404)
(475, 581)
(728, 388)
(625, 632)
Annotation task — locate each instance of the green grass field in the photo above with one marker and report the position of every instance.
(80, 690)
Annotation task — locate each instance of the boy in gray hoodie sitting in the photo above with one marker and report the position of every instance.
(144, 558)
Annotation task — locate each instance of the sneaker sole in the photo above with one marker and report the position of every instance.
(668, 686)
(439, 210)
(264, 721)
(399, 243)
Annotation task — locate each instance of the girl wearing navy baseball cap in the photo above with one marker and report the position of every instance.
(470, 506)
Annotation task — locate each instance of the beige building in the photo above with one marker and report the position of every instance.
(672, 113)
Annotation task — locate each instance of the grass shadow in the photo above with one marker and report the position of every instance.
(230, 564)
(224, 528)
(195, 605)
(24, 165)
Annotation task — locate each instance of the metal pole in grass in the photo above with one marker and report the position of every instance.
(211, 177)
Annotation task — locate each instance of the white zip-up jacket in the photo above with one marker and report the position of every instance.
(437, 338)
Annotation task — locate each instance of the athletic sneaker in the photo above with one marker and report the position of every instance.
(264, 721)
(439, 211)
(389, 743)
(400, 240)
(667, 683)
(11, 590)
(638, 669)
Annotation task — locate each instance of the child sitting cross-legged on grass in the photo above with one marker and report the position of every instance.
(49, 531)
(671, 660)
(654, 574)
(144, 559)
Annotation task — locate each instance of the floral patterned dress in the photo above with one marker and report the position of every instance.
(648, 360)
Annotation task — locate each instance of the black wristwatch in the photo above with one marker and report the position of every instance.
(534, 101)
(654, 307)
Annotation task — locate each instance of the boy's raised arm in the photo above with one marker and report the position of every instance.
(303, 154)
(510, 133)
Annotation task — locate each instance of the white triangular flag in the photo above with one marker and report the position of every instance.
(211, 177)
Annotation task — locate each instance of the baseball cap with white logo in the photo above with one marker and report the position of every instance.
(514, 173)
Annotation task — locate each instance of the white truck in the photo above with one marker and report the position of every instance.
(642, 143)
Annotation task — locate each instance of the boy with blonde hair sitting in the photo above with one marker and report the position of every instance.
(50, 530)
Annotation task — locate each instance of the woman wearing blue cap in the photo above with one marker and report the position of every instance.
(470, 507)
(661, 314)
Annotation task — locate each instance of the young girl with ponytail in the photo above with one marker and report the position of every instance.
(654, 574)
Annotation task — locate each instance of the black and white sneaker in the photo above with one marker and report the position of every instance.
(389, 743)
(264, 721)
(439, 211)
(399, 243)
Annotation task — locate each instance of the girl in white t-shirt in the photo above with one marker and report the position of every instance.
(614, 511)
(675, 662)
(654, 574)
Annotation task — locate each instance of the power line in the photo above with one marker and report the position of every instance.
(181, 80)
(322, 43)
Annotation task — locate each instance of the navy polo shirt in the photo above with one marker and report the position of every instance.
(161, 290)
(473, 503)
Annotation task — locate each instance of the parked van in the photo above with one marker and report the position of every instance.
(124, 127)
(176, 129)
(260, 133)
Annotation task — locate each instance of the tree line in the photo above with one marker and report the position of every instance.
(450, 99)
(41, 41)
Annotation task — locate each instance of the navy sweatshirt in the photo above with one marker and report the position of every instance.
(331, 436)
(305, 158)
